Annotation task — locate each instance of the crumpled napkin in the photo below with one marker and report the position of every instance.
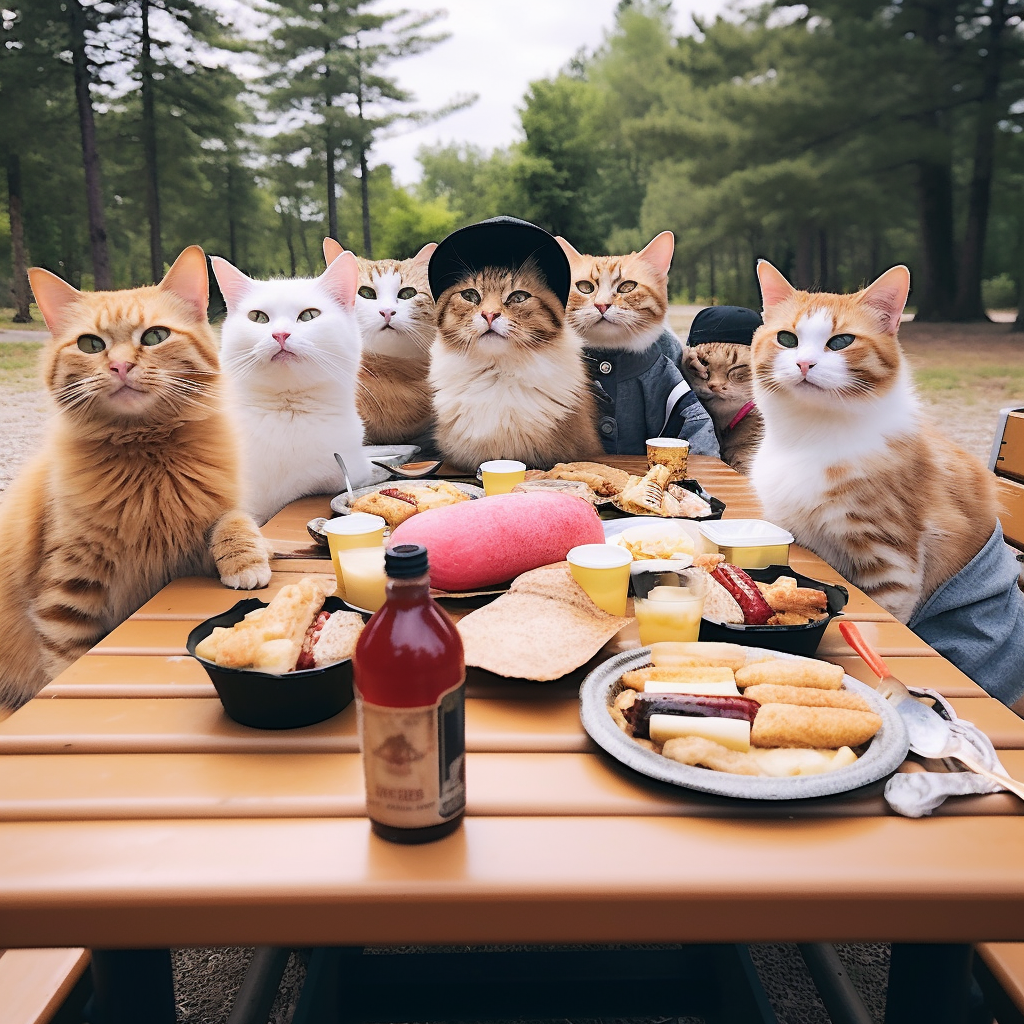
(916, 794)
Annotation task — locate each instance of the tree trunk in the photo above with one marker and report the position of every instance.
(19, 286)
(711, 268)
(805, 257)
(103, 278)
(824, 271)
(156, 258)
(332, 188)
(969, 304)
(286, 220)
(364, 171)
(232, 244)
(935, 288)
(1018, 324)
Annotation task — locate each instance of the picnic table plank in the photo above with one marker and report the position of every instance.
(938, 675)
(890, 638)
(171, 725)
(994, 719)
(125, 675)
(515, 879)
(50, 787)
(203, 597)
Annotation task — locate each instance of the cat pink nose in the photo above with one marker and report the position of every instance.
(121, 369)
(489, 317)
(805, 367)
(387, 314)
(601, 307)
(281, 337)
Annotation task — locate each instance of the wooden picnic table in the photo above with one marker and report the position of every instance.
(134, 813)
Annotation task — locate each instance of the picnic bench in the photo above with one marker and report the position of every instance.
(134, 815)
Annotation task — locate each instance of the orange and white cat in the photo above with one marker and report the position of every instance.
(508, 374)
(848, 463)
(138, 481)
(396, 325)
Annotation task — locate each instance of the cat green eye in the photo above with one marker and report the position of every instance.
(257, 316)
(471, 295)
(516, 297)
(585, 286)
(787, 339)
(366, 292)
(626, 286)
(91, 344)
(839, 341)
(309, 314)
(155, 335)
(406, 293)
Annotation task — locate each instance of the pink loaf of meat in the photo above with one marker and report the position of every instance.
(490, 540)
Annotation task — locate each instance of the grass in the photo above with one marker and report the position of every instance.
(18, 365)
(7, 320)
(993, 379)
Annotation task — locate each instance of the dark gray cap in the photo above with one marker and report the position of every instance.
(734, 324)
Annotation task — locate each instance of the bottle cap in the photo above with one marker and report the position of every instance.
(405, 561)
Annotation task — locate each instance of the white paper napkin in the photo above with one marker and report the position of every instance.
(916, 794)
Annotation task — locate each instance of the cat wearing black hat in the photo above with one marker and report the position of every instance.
(508, 374)
(716, 364)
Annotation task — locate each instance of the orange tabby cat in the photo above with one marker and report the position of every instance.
(508, 375)
(138, 480)
(848, 463)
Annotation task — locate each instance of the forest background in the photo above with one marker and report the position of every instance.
(834, 138)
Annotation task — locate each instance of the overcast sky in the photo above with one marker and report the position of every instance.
(497, 47)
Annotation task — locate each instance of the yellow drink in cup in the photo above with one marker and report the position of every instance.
(359, 530)
(671, 612)
(362, 571)
(501, 475)
(602, 570)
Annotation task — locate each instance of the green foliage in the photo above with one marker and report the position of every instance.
(999, 292)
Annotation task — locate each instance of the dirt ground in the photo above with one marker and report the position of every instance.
(965, 374)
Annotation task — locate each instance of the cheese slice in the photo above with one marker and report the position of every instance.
(709, 689)
(733, 733)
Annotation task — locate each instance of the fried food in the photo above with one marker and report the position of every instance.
(638, 679)
(809, 696)
(644, 495)
(602, 480)
(338, 638)
(780, 762)
(398, 503)
(791, 725)
(792, 673)
(785, 596)
(697, 652)
(577, 488)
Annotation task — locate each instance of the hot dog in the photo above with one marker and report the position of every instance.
(756, 610)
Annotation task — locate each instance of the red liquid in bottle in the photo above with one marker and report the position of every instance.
(410, 694)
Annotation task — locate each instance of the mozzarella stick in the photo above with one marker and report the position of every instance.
(790, 725)
(809, 696)
(819, 674)
(670, 653)
(638, 678)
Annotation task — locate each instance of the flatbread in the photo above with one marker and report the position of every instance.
(543, 628)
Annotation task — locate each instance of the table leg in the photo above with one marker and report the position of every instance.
(132, 985)
(929, 984)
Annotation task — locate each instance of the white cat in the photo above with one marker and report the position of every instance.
(290, 351)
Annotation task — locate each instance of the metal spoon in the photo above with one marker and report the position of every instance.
(344, 473)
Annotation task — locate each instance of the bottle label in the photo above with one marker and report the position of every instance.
(414, 760)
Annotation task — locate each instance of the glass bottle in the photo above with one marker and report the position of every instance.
(410, 691)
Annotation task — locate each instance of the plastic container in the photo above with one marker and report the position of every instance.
(749, 543)
(790, 639)
(266, 701)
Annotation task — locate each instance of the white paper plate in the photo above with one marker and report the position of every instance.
(884, 754)
(339, 503)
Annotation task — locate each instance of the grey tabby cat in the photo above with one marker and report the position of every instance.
(716, 365)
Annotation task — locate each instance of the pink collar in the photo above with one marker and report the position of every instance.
(745, 411)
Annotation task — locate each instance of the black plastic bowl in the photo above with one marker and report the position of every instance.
(790, 639)
(717, 505)
(267, 701)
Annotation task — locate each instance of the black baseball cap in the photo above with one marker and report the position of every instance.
(499, 242)
(735, 324)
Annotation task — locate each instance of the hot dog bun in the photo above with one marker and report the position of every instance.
(490, 540)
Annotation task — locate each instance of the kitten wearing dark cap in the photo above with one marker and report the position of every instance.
(716, 364)
(508, 374)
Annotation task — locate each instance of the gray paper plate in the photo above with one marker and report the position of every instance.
(884, 755)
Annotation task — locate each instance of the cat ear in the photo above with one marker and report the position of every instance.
(233, 283)
(423, 256)
(888, 295)
(54, 296)
(341, 278)
(188, 279)
(774, 287)
(332, 250)
(658, 251)
(568, 249)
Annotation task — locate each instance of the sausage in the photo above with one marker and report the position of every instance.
(756, 610)
(638, 715)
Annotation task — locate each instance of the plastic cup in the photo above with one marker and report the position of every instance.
(359, 530)
(672, 610)
(602, 570)
(501, 475)
(362, 574)
(668, 451)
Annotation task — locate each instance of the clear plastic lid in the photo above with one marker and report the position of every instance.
(733, 533)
